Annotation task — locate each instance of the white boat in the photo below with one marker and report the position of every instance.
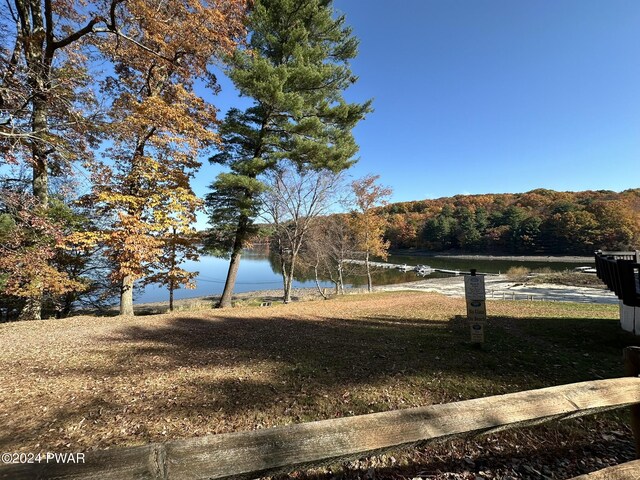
(423, 270)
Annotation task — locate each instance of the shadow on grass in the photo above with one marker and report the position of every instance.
(246, 371)
(334, 355)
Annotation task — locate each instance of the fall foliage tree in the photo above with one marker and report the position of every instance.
(367, 222)
(46, 92)
(294, 69)
(528, 223)
(158, 125)
(29, 240)
(46, 98)
(44, 85)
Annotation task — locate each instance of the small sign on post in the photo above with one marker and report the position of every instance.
(476, 305)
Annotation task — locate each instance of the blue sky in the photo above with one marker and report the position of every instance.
(493, 96)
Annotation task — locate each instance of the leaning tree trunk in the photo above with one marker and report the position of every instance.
(234, 263)
(232, 274)
(126, 296)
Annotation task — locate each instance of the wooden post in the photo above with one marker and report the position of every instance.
(632, 369)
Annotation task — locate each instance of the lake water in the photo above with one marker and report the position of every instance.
(259, 272)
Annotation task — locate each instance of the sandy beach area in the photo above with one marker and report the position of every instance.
(499, 287)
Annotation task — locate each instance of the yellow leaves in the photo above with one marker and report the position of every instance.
(149, 201)
(194, 29)
(83, 241)
(159, 124)
(367, 223)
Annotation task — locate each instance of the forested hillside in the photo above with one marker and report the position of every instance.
(539, 221)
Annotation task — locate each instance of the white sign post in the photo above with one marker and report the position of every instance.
(476, 305)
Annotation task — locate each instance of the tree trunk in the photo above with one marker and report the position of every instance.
(288, 277)
(32, 309)
(38, 59)
(126, 296)
(340, 284)
(40, 179)
(234, 263)
(232, 274)
(287, 287)
(368, 267)
(40, 188)
(172, 282)
(283, 267)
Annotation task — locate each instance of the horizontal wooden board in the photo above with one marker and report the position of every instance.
(254, 453)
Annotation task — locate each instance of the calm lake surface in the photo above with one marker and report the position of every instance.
(259, 272)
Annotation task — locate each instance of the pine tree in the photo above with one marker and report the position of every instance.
(295, 69)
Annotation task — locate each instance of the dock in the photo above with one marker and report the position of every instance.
(460, 272)
(419, 269)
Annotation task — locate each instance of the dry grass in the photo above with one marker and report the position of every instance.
(568, 277)
(518, 274)
(83, 383)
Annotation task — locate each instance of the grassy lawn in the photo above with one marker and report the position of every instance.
(84, 382)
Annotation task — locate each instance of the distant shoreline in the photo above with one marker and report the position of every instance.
(511, 258)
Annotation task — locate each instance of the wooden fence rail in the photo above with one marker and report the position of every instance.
(283, 449)
(625, 471)
(619, 271)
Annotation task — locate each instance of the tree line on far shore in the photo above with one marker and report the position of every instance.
(537, 222)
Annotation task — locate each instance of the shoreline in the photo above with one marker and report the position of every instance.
(498, 287)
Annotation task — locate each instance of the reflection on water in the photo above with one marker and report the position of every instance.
(260, 271)
(255, 273)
